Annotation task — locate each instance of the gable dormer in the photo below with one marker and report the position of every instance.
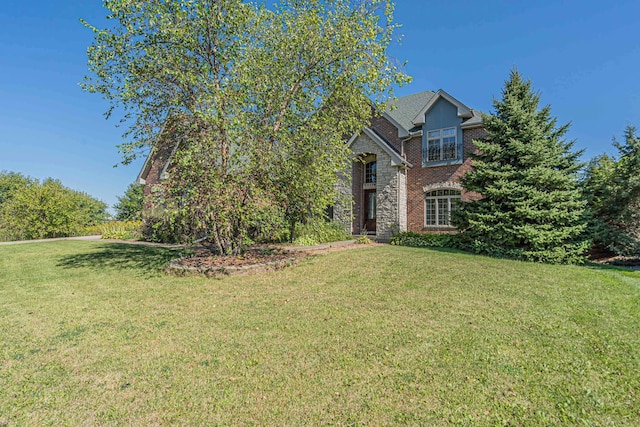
(441, 120)
(462, 111)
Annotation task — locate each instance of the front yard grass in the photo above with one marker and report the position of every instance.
(94, 333)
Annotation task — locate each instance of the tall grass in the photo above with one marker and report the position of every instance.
(120, 230)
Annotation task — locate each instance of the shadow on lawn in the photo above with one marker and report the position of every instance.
(612, 267)
(145, 259)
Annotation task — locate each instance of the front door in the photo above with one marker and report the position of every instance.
(370, 208)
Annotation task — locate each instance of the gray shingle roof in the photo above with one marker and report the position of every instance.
(476, 120)
(405, 109)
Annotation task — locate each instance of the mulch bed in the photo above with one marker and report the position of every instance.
(206, 262)
(609, 258)
(206, 258)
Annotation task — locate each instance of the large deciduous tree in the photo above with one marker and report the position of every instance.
(531, 207)
(259, 99)
(612, 187)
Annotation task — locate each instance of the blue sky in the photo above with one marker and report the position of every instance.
(583, 56)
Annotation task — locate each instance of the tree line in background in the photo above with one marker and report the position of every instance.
(31, 209)
(612, 189)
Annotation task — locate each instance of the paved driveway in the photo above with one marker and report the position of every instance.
(20, 242)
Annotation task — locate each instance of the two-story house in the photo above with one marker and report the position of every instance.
(406, 169)
(408, 163)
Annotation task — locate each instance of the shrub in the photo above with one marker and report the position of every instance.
(41, 210)
(363, 240)
(305, 241)
(162, 226)
(320, 231)
(420, 240)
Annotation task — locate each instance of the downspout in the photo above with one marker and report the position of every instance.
(406, 139)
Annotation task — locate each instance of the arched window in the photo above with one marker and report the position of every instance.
(438, 207)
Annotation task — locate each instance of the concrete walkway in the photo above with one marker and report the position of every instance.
(99, 238)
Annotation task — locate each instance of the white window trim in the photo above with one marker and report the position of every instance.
(438, 200)
(440, 138)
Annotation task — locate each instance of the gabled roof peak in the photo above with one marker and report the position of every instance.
(396, 158)
(463, 111)
(402, 110)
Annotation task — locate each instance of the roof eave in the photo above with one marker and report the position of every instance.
(146, 167)
(396, 159)
(472, 125)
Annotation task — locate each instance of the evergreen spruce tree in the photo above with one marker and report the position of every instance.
(531, 208)
(612, 188)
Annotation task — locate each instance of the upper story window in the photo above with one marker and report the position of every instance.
(441, 145)
(370, 172)
(438, 207)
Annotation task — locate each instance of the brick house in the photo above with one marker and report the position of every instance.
(406, 169)
(408, 163)
(157, 164)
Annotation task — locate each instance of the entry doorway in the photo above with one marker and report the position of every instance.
(370, 208)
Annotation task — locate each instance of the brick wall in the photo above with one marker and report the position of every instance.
(357, 179)
(153, 182)
(387, 130)
(418, 177)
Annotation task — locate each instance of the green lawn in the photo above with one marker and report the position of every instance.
(93, 333)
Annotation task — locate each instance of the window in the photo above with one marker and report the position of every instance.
(442, 144)
(372, 206)
(370, 173)
(438, 207)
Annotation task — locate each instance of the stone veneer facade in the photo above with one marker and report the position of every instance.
(390, 187)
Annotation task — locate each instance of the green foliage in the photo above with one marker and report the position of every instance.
(423, 240)
(10, 183)
(363, 240)
(319, 231)
(531, 208)
(305, 241)
(169, 227)
(34, 210)
(612, 187)
(257, 99)
(129, 206)
(120, 230)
